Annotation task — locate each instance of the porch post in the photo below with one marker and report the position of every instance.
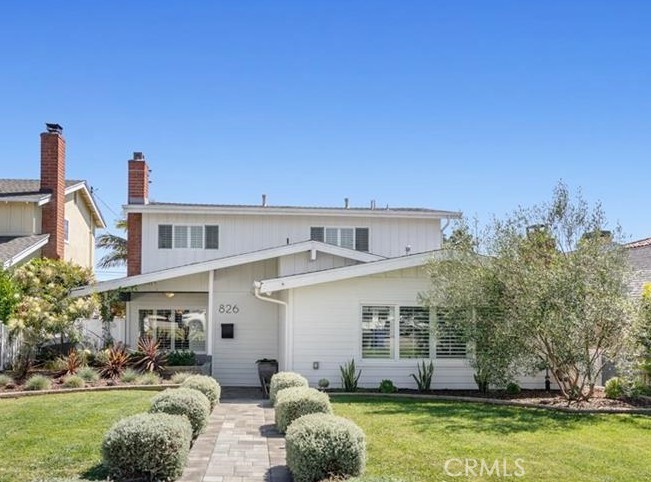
(209, 328)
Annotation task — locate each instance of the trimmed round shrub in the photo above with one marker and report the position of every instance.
(179, 377)
(148, 378)
(184, 401)
(88, 374)
(74, 381)
(513, 388)
(206, 385)
(129, 376)
(615, 388)
(6, 380)
(153, 446)
(38, 382)
(294, 402)
(320, 446)
(282, 380)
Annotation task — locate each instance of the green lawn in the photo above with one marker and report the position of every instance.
(412, 439)
(60, 435)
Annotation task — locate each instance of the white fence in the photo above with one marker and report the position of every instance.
(8, 348)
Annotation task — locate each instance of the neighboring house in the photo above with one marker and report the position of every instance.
(639, 253)
(313, 287)
(51, 217)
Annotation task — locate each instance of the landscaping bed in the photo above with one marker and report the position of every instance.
(553, 399)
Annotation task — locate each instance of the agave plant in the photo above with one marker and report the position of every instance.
(149, 357)
(114, 362)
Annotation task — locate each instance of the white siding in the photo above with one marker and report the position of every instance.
(247, 233)
(19, 219)
(256, 324)
(327, 329)
(302, 263)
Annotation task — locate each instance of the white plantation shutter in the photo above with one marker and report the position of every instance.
(414, 332)
(180, 236)
(347, 238)
(449, 341)
(377, 331)
(196, 237)
(332, 236)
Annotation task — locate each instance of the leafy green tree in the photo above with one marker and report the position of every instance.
(8, 295)
(45, 310)
(546, 284)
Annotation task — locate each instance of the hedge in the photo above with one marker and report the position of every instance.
(292, 403)
(206, 385)
(184, 401)
(282, 380)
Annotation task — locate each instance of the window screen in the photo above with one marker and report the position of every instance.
(180, 236)
(212, 237)
(164, 236)
(316, 234)
(347, 238)
(361, 239)
(196, 237)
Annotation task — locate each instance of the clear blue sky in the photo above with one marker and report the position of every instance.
(476, 106)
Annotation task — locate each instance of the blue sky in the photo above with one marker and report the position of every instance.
(472, 106)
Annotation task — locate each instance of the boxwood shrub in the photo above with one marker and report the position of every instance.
(153, 446)
(184, 401)
(282, 380)
(206, 385)
(320, 446)
(294, 402)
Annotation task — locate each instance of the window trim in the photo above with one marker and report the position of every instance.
(66, 231)
(339, 228)
(188, 236)
(395, 359)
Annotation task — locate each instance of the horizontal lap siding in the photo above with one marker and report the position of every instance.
(326, 328)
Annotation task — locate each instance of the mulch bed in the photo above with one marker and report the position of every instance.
(541, 398)
(57, 384)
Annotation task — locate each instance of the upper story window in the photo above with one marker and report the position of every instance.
(351, 238)
(66, 230)
(183, 236)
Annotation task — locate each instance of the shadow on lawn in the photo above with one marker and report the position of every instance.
(478, 417)
(96, 472)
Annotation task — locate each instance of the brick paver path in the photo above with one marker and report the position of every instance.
(240, 444)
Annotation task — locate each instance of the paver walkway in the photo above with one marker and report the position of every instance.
(240, 444)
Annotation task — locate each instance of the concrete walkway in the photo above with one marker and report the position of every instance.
(240, 444)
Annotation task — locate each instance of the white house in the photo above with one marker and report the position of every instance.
(312, 287)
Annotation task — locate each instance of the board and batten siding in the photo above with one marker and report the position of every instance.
(256, 326)
(327, 330)
(247, 233)
(302, 263)
(80, 247)
(20, 219)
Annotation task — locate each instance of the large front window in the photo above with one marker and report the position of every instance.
(394, 332)
(175, 328)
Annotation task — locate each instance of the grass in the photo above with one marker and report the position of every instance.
(61, 435)
(411, 440)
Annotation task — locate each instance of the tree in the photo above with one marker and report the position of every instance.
(45, 309)
(116, 245)
(546, 284)
(8, 295)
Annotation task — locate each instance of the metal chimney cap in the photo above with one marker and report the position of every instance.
(138, 156)
(53, 128)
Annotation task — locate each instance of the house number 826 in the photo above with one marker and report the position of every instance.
(229, 309)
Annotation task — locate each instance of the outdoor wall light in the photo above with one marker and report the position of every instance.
(169, 295)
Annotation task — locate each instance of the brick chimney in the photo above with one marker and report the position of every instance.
(53, 180)
(138, 193)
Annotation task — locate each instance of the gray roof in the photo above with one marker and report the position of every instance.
(640, 243)
(338, 208)
(26, 190)
(12, 246)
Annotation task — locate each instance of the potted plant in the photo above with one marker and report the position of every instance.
(267, 367)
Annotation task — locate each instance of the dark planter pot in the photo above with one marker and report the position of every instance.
(266, 369)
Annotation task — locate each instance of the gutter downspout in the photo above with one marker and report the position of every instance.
(288, 327)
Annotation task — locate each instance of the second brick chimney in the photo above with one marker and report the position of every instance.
(138, 193)
(53, 181)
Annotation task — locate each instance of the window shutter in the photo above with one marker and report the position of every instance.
(449, 341)
(414, 332)
(164, 236)
(317, 234)
(196, 237)
(377, 332)
(361, 239)
(212, 237)
(180, 236)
